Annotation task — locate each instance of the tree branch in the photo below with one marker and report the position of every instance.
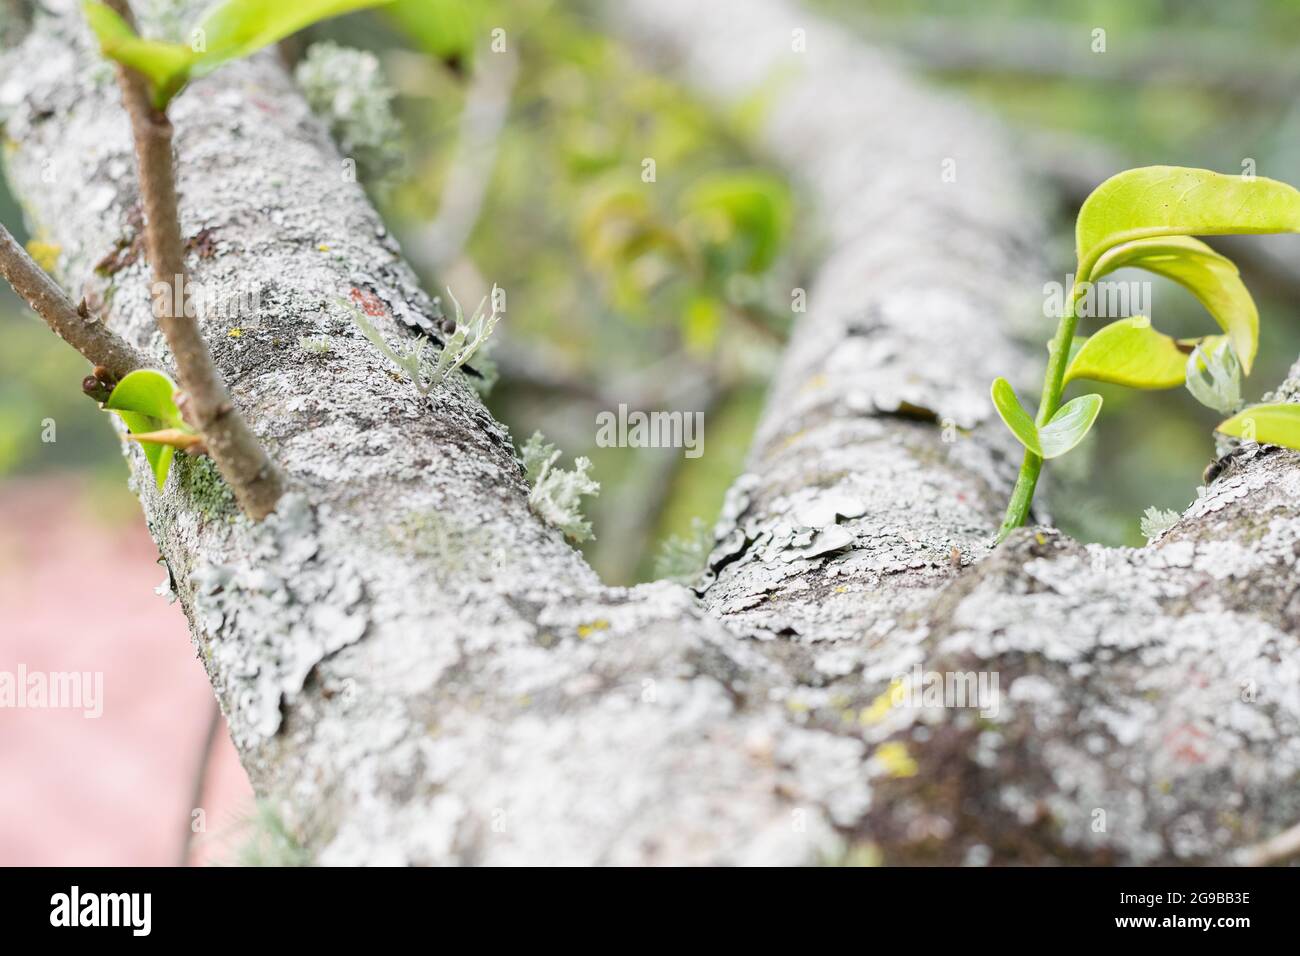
(416, 670)
(207, 405)
(96, 342)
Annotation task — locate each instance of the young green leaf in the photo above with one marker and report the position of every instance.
(229, 30)
(1211, 277)
(446, 29)
(1268, 424)
(1130, 352)
(1015, 416)
(236, 28)
(1069, 425)
(145, 400)
(1176, 201)
(166, 66)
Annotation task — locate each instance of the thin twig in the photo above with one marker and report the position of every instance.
(76, 326)
(208, 408)
(487, 105)
(200, 781)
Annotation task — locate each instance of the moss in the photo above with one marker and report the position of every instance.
(203, 485)
(269, 842)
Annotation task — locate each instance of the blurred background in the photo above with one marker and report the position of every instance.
(524, 167)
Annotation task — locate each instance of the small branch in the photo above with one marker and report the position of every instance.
(1279, 849)
(487, 104)
(96, 342)
(200, 784)
(231, 443)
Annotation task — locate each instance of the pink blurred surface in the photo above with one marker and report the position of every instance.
(77, 594)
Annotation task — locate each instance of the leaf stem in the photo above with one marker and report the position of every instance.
(1053, 385)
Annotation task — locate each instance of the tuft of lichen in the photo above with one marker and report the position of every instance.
(317, 346)
(269, 842)
(557, 493)
(683, 558)
(1156, 522)
(347, 89)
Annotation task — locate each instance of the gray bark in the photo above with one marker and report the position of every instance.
(417, 670)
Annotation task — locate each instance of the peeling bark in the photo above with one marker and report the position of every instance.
(416, 670)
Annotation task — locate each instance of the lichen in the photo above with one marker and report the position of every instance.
(557, 493)
(203, 485)
(346, 87)
(269, 621)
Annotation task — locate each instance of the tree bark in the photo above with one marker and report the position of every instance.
(416, 670)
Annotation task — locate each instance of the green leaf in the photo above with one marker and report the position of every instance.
(1211, 277)
(1175, 201)
(1069, 425)
(1268, 424)
(235, 28)
(145, 400)
(1130, 352)
(229, 30)
(444, 28)
(1014, 415)
(747, 212)
(165, 65)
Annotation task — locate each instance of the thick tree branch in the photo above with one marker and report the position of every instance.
(76, 326)
(416, 670)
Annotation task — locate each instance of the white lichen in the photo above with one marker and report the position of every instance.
(1156, 522)
(556, 495)
(347, 89)
(468, 337)
(683, 558)
(1214, 377)
(315, 345)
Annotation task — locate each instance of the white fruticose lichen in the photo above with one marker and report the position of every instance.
(461, 345)
(1156, 522)
(556, 496)
(347, 89)
(468, 337)
(683, 558)
(1222, 389)
(316, 345)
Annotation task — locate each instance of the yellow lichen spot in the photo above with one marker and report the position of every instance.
(895, 759)
(862, 854)
(841, 589)
(46, 254)
(525, 700)
(586, 630)
(796, 706)
(816, 382)
(324, 247)
(235, 333)
(1039, 538)
(881, 705)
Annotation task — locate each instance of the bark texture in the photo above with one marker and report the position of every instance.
(417, 670)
